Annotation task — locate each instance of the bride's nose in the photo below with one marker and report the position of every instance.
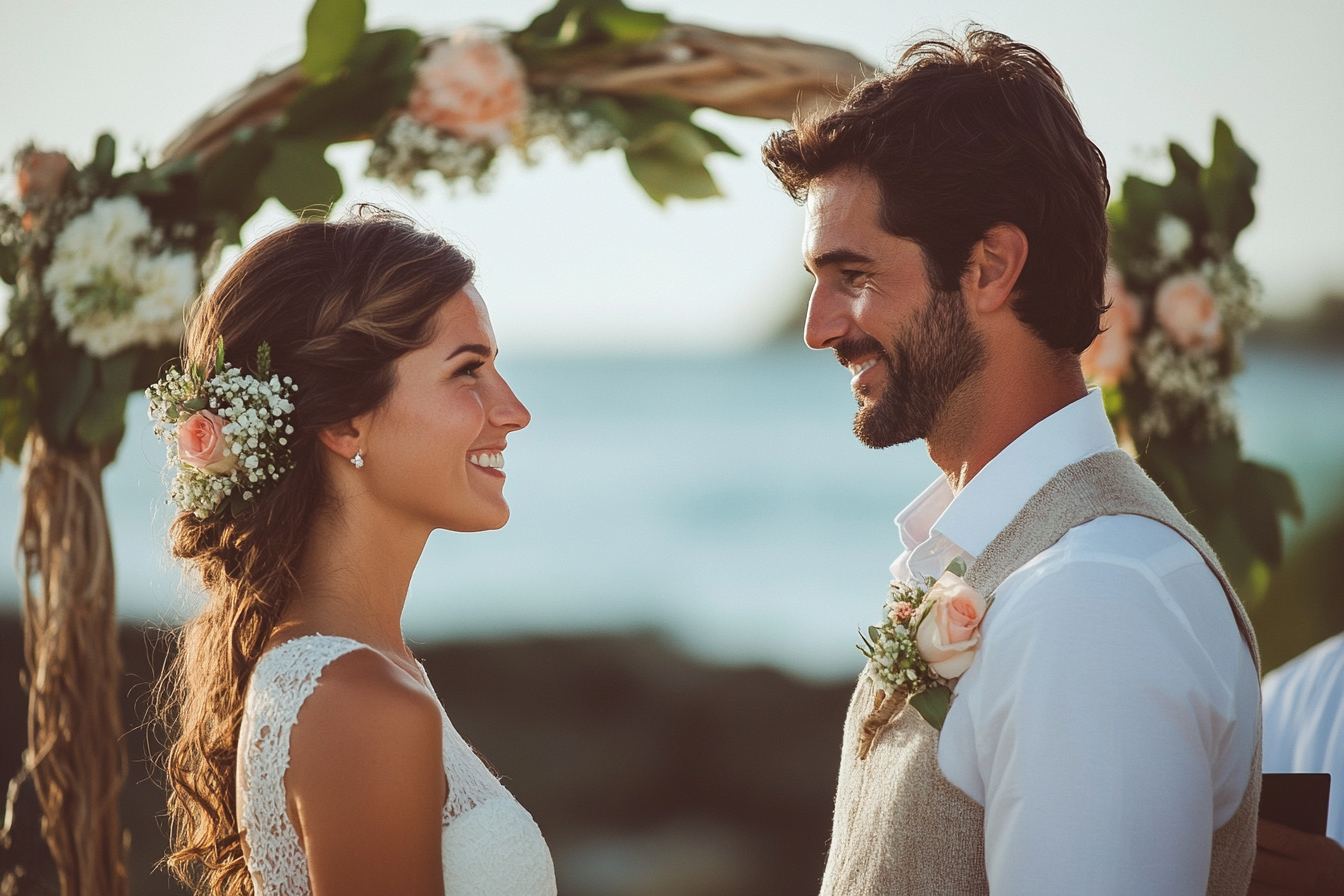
(506, 411)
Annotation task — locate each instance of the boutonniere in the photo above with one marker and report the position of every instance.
(927, 640)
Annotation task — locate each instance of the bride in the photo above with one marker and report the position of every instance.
(351, 408)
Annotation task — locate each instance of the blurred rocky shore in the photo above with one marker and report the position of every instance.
(649, 773)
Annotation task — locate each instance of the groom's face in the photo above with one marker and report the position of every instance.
(907, 346)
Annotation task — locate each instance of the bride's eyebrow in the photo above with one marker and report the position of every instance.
(482, 350)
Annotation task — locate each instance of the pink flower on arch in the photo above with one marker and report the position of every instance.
(1106, 361)
(470, 86)
(1188, 311)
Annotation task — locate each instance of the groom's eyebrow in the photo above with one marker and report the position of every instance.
(839, 256)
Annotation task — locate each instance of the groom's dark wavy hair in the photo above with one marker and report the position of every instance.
(963, 135)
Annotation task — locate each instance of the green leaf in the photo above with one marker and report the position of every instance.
(667, 157)
(377, 78)
(933, 705)
(219, 355)
(629, 25)
(957, 567)
(873, 633)
(103, 415)
(72, 392)
(228, 187)
(9, 266)
(104, 156)
(334, 28)
(299, 175)
(1227, 186)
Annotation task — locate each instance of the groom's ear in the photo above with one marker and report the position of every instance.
(994, 265)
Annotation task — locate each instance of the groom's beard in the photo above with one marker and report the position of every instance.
(925, 364)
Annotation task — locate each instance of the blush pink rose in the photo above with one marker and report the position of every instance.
(949, 627)
(200, 444)
(470, 86)
(40, 177)
(1188, 311)
(1106, 361)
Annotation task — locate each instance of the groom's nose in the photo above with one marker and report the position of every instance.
(828, 318)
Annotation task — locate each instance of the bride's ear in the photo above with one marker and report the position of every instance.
(342, 438)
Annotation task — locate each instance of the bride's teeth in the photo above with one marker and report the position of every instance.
(473, 459)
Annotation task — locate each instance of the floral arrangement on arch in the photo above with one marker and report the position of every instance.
(105, 263)
(1180, 305)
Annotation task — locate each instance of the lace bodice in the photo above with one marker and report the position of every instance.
(491, 845)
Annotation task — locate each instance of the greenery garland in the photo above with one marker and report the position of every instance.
(1181, 304)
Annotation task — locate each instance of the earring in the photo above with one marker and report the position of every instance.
(357, 460)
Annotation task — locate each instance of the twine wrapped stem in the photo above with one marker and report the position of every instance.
(885, 708)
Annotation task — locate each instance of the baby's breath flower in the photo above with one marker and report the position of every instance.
(255, 411)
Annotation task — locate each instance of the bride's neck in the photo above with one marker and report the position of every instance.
(353, 578)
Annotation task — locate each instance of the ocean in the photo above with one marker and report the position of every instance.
(722, 501)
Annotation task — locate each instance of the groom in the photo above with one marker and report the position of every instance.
(1105, 739)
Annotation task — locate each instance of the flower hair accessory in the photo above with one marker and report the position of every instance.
(228, 434)
(928, 640)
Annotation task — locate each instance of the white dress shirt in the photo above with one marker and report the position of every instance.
(1109, 721)
(1304, 721)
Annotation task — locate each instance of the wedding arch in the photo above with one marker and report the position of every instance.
(104, 265)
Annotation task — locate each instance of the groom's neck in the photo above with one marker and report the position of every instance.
(1023, 382)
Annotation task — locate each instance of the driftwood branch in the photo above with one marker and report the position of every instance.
(757, 77)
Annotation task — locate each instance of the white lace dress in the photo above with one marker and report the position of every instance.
(491, 845)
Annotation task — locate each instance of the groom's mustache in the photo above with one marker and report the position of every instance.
(856, 347)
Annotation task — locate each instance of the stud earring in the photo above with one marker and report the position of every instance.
(357, 460)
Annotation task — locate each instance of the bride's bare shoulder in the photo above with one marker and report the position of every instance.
(365, 786)
(363, 699)
(368, 727)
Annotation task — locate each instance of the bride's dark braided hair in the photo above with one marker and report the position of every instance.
(338, 303)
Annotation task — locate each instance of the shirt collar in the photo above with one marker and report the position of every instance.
(971, 519)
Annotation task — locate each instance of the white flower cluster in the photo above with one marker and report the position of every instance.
(576, 130)
(890, 647)
(1190, 392)
(409, 147)
(253, 435)
(107, 289)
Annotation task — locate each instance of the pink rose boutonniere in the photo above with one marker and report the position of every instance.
(949, 631)
(929, 639)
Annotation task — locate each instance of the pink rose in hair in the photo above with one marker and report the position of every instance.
(200, 444)
(1106, 360)
(470, 86)
(949, 627)
(1187, 310)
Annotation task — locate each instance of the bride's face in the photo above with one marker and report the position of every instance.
(434, 450)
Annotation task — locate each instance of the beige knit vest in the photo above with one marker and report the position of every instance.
(889, 805)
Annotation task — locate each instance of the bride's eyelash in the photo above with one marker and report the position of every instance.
(469, 369)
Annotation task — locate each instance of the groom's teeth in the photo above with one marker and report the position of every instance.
(858, 370)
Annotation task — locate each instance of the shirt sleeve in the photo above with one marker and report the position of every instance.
(1096, 741)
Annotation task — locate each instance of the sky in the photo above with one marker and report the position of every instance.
(575, 259)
